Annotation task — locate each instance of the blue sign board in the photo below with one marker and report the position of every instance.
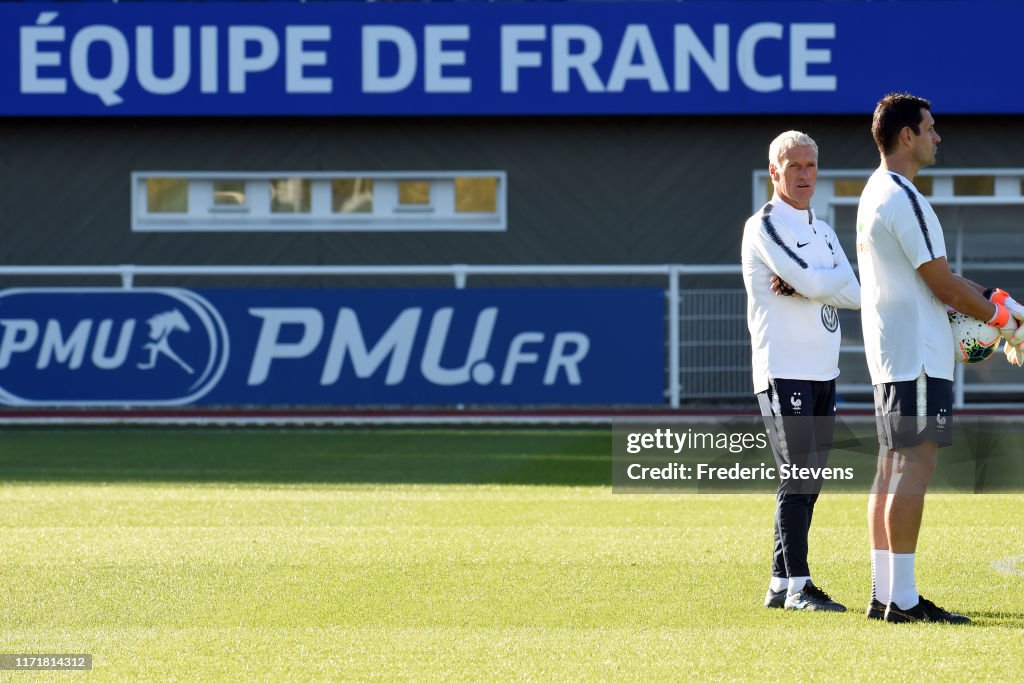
(171, 346)
(341, 59)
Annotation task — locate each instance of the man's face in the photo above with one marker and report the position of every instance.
(925, 145)
(795, 180)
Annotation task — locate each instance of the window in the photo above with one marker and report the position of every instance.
(974, 185)
(291, 195)
(849, 187)
(476, 195)
(290, 201)
(166, 195)
(352, 195)
(229, 193)
(413, 194)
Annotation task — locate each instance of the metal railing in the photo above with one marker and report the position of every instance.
(716, 342)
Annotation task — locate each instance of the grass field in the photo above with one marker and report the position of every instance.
(313, 555)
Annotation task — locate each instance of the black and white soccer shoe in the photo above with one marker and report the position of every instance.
(876, 610)
(924, 611)
(814, 599)
(775, 599)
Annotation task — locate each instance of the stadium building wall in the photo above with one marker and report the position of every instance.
(581, 190)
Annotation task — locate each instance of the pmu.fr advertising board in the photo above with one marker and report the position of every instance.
(170, 346)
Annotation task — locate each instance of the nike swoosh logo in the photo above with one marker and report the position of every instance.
(801, 246)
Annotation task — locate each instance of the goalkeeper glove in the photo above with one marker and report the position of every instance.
(1004, 322)
(1014, 354)
(1002, 298)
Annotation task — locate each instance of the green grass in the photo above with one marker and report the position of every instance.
(312, 555)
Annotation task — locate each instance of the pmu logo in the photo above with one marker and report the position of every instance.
(395, 348)
(109, 346)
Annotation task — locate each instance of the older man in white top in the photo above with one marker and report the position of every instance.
(796, 275)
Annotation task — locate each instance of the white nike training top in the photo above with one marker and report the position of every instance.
(905, 326)
(794, 337)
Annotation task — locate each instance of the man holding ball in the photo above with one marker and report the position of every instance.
(907, 285)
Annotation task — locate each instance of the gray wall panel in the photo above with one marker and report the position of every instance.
(581, 190)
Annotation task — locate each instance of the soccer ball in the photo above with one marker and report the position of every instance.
(973, 340)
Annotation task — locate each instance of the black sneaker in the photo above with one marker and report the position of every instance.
(876, 610)
(813, 598)
(924, 610)
(775, 599)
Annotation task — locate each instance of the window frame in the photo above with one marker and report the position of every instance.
(387, 214)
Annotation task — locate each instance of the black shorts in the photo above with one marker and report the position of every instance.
(907, 413)
(799, 416)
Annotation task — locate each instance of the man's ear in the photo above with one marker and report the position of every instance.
(772, 170)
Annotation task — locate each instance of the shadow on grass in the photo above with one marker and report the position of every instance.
(464, 456)
(1008, 619)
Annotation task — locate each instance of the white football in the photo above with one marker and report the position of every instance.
(973, 340)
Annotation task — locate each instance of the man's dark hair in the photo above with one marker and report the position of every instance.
(895, 112)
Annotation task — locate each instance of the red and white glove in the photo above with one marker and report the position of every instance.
(1013, 334)
(1004, 322)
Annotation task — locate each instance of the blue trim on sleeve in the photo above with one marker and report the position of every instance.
(916, 205)
(769, 228)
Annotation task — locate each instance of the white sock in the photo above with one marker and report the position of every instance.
(796, 584)
(779, 583)
(904, 590)
(880, 582)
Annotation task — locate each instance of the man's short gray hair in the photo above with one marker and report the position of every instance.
(787, 141)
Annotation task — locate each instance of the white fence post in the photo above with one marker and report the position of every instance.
(673, 336)
(127, 276)
(958, 370)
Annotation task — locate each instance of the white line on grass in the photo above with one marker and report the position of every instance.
(1010, 565)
